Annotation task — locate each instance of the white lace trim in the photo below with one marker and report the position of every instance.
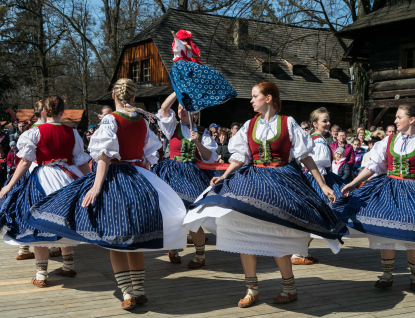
(31, 232)
(271, 209)
(392, 246)
(48, 217)
(185, 197)
(116, 239)
(386, 223)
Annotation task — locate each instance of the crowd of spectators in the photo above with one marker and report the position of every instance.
(350, 149)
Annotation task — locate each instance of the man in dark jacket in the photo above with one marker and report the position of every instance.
(222, 150)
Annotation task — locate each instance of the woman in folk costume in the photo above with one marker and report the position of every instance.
(267, 207)
(384, 207)
(188, 146)
(122, 206)
(196, 85)
(59, 153)
(320, 119)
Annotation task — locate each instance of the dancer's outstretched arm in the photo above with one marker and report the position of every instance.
(165, 107)
(101, 173)
(312, 167)
(363, 176)
(234, 165)
(21, 170)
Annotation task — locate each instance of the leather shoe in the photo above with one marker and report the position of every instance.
(39, 283)
(196, 263)
(128, 304)
(141, 299)
(383, 284)
(301, 261)
(175, 258)
(25, 256)
(412, 286)
(312, 258)
(247, 300)
(282, 299)
(61, 272)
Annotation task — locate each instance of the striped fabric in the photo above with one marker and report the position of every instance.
(383, 207)
(280, 195)
(125, 215)
(186, 179)
(17, 208)
(332, 180)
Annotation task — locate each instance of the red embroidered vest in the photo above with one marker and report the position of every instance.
(182, 149)
(277, 149)
(131, 135)
(56, 143)
(397, 162)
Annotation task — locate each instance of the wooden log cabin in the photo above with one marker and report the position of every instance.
(303, 62)
(385, 40)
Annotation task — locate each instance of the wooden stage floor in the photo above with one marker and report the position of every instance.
(339, 286)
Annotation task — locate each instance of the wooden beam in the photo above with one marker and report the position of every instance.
(392, 103)
(391, 94)
(370, 115)
(394, 85)
(392, 74)
(380, 116)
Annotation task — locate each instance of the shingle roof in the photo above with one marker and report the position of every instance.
(283, 45)
(385, 16)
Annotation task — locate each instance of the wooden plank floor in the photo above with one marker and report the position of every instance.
(339, 286)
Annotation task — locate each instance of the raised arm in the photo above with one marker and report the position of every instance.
(165, 107)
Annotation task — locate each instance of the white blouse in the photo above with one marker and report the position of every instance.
(179, 47)
(379, 159)
(301, 141)
(168, 126)
(105, 140)
(321, 155)
(28, 141)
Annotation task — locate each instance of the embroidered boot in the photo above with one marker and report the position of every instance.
(126, 286)
(288, 293)
(199, 259)
(386, 280)
(24, 253)
(68, 268)
(412, 268)
(174, 257)
(251, 295)
(41, 273)
(137, 279)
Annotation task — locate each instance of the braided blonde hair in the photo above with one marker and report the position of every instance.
(124, 90)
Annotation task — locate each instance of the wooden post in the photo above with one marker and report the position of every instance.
(370, 115)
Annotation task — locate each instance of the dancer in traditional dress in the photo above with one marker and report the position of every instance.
(267, 207)
(58, 150)
(122, 206)
(320, 119)
(187, 148)
(384, 207)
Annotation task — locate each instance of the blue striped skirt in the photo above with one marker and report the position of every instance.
(281, 195)
(382, 207)
(125, 215)
(16, 208)
(186, 179)
(332, 180)
(199, 86)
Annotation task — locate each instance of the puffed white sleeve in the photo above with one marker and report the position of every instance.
(151, 145)
(301, 141)
(104, 140)
(167, 124)
(27, 144)
(378, 162)
(78, 153)
(210, 144)
(238, 146)
(321, 156)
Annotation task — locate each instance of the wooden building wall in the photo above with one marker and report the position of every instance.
(137, 53)
(389, 84)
